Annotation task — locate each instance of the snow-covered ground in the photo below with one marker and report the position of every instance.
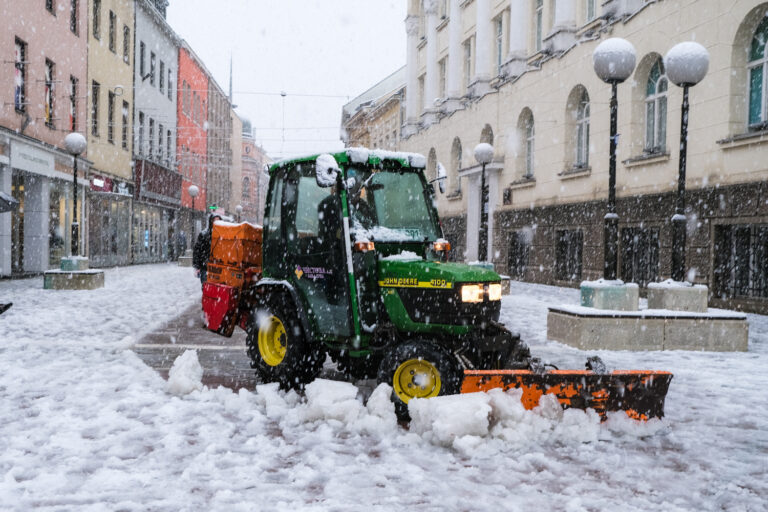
(85, 425)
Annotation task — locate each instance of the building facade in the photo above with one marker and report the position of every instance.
(219, 138)
(43, 92)
(255, 178)
(236, 173)
(192, 139)
(158, 232)
(110, 103)
(519, 75)
(373, 119)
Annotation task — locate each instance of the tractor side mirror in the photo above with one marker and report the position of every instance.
(326, 170)
(441, 177)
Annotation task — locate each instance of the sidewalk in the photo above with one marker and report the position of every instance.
(224, 360)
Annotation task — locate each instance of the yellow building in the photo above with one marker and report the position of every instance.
(373, 118)
(519, 75)
(109, 129)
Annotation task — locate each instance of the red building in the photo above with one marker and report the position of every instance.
(191, 138)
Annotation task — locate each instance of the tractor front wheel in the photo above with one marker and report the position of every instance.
(278, 347)
(419, 369)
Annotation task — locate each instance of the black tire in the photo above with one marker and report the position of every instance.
(283, 354)
(405, 364)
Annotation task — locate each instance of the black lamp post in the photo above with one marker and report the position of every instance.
(484, 156)
(614, 62)
(686, 64)
(75, 144)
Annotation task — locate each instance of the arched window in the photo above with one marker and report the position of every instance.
(529, 147)
(582, 130)
(431, 165)
(487, 135)
(758, 77)
(454, 183)
(246, 188)
(526, 136)
(656, 110)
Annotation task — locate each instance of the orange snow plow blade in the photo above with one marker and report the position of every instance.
(638, 393)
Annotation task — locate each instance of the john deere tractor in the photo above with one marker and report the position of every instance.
(355, 266)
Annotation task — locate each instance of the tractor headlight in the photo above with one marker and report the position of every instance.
(472, 293)
(494, 291)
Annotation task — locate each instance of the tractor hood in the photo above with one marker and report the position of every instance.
(399, 272)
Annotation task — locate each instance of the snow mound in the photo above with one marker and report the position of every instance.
(186, 374)
(332, 400)
(477, 423)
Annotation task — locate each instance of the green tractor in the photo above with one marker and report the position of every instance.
(351, 263)
(355, 266)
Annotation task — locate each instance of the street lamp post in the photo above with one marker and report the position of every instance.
(484, 156)
(614, 62)
(193, 192)
(75, 144)
(686, 64)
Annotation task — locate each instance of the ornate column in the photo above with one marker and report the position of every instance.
(482, 78)
(411, 70)
(429, 115)
(519, 21)
(453, 78)
(563, 34)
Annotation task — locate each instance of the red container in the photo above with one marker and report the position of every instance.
(220, 306)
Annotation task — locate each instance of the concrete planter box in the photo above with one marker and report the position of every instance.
(63, 280)
(613, 295)
(185, 261)
(74, 264)
(593, 329)
(677, 297)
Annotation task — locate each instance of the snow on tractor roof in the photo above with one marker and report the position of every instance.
(359, 155)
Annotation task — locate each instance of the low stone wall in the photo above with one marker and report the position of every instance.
(590, 329)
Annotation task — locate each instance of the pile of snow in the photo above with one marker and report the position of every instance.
(186, 374)
(497, 420)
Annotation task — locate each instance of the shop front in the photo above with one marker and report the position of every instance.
(109, 229)
(37, 234)
(156, 235)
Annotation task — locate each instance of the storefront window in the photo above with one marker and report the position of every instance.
(59, 238)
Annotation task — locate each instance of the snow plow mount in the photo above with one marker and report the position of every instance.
(639, 393)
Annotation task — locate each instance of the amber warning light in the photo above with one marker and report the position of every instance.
(364, 246)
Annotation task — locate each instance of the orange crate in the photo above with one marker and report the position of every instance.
(236, 245)
(231, 276)
(224, 274)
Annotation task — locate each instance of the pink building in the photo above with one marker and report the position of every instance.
(43, 90)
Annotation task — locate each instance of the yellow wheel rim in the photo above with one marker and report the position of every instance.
(416, 378)
(272, 341)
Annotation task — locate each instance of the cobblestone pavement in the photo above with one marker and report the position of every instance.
(224, 360)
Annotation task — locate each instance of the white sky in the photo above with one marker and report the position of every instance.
(335, 49)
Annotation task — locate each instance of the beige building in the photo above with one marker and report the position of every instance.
(109, 130)
(519, 75)
(373, 119)
(236, 172)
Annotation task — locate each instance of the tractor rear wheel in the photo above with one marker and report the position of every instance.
(278, 347)
(419, 369)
